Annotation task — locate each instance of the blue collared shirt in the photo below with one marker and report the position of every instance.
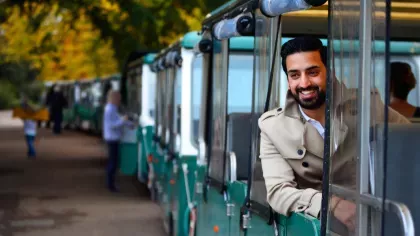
(113, 123)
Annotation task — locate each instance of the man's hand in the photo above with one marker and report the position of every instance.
(345, 212)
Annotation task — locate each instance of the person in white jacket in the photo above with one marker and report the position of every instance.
(29, 127)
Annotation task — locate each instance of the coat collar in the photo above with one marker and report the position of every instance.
(311, 140)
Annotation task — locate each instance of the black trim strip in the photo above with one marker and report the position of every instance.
(386, 104)
(209, 123)
(249, 204)
(326, 157)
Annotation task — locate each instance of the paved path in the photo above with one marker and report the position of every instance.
(63, 191)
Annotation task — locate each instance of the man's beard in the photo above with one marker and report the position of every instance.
(313, 103)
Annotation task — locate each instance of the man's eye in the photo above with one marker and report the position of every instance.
(293, 75)
(313, 73)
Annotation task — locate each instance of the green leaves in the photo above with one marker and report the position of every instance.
(126, 25)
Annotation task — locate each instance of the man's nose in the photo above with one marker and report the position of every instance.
(304, 81)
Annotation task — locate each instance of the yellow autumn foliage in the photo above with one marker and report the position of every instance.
(58, 49)
(66, 45)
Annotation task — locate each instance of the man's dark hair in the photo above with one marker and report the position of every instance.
(402, 80)
(302, 44)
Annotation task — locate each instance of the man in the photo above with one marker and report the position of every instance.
(112, 132)
(402, 82)
(58, 103)
(292, 139)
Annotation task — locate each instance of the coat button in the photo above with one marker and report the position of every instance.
(305, 164)
(300, 152)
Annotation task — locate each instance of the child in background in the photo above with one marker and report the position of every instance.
(29, 127)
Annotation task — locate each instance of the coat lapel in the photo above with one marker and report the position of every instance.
(312, 140)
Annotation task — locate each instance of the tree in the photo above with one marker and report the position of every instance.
(128, 24)
(60, 47)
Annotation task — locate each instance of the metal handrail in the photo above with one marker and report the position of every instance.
(400, 209)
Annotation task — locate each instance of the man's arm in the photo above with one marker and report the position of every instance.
(282, 194)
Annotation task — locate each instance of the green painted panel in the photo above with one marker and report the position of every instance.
(237, 194)
(68, 115)
(128, 158)
(379, 46)
(212, 215)
(259, 227)
(84, 112)
(97, 119)
(241, 43)
(148, 59)
(159, 161)
(200, 175)
(190, 39)
(299, 224)
(168, 186)
(145, 141)
(181, 196)
(296, 224)
(247, 43)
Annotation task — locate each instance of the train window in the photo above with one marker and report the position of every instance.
(196, 96)
(177, 101)
(132, 91)
(96, 93)
(357, 116)
(157, 101)
(138, 91)
(413, 61)
(344, 72)
(168, 104)
(85, 93)
(161, 104)
(263, 56)
(151, 91)
(240, 82)
(240, 78)
(218, 129)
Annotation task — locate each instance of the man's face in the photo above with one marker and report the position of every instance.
(307, 77)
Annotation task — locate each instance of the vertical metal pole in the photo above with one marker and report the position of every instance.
(157, 99)
(387, 101)
(364, 103)
(275, 89)
(224, 103)
(205, 101)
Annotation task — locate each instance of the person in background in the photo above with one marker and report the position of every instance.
(29, 127)
(58, 103)
(402, 82)
(112, 131)
(42, 100)
(48, 101)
